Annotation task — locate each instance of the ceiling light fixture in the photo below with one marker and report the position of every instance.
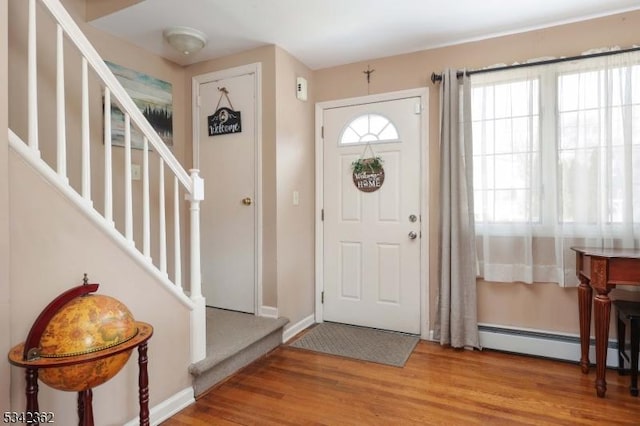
(184, 39)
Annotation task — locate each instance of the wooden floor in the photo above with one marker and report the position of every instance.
(437, 386)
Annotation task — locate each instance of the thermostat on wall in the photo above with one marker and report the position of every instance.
(301, 88)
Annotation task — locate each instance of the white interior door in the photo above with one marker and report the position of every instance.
(371, 240)
(228, 213)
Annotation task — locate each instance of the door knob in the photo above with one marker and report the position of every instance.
(413, 235)
(247, 201)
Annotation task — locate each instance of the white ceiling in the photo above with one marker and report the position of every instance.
(325, 33)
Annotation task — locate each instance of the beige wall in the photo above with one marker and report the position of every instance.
(114, 50)
(288, 165)
(52, 245)
(287, 145)
(5, 287)
(99, 8)
(295, 149)
(267, 57)
(555, 309)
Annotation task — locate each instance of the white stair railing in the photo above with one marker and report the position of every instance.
(190, 185)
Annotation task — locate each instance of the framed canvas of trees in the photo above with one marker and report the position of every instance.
(154, 99)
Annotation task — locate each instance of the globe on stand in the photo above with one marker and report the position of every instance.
(80, 341)
(85, 325)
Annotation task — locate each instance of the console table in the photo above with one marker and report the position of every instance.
(601, 270)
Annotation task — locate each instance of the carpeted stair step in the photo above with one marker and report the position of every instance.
(234, 340)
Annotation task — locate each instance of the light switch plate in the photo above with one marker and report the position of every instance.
(135, 172)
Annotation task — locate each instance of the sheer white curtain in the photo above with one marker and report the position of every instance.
(556, 165)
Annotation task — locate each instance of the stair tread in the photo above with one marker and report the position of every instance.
(229, 332)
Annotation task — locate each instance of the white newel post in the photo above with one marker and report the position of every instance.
(198, 315)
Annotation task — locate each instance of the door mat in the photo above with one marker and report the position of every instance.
(367, 344)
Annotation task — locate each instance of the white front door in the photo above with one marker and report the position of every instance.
(371, 240)
(227, 163)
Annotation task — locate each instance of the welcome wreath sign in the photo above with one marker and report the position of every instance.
(368, 174)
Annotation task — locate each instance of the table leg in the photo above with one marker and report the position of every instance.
(635, 344)
(602, 311)
(31, 391)
(85, 407)
(80, 408)
(585, 294)
(143, 384)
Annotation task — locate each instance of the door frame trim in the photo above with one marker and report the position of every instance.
(196, 81)
(423, 94)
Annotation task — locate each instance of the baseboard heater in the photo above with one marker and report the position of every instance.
(542, 344)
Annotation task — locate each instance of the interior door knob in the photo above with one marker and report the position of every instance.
(247, 201)
(413, 235)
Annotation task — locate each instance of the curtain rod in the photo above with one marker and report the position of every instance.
(438, 77)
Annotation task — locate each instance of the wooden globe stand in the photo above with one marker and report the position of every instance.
(26, 355)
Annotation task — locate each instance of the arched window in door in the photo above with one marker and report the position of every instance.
(369, 128)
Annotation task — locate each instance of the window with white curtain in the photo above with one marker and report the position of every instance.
(556, 162)
(506, 151)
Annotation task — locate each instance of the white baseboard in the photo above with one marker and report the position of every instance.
(296, 328)
(168, 407)
(268, 312)
(539, 343)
